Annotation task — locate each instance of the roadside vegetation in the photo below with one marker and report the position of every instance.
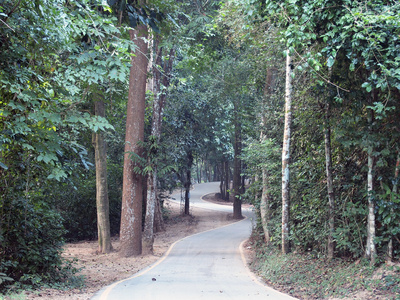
(310, 276)
(293, 106)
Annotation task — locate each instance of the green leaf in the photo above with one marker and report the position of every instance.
(330, 62)
(3, 166)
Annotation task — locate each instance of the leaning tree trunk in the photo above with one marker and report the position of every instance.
(132, 198)
(286, 157)
(329, 183)
(102, 203)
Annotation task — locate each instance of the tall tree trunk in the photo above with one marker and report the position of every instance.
(329, 183)
(370, 251)
(148, 231)
(286, 157)
(102, 203)
(237, 202)
(131, 212)
(265, 197)
(394, 191)
(158, 107)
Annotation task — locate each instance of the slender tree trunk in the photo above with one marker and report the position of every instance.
(102, 202)
(286, 157)
(158, 107)
(329, 183)
(264, 206)
(227, 181)
(198, 167)
(132, 198)
(221, 184)
(370, 251)
(188, 183)
(237, 202)
(265, 197)
(148, 231)
(159, 224)
(394, 191)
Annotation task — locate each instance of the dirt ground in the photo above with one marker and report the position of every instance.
(101, 270)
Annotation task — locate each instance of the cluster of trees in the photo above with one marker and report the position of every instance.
(120, 100)
(340, 100)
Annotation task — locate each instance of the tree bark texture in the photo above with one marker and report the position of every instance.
(131, 213)
(370, 251)
(329, 183)
(264, 207)
(102, 202)
(286, 158)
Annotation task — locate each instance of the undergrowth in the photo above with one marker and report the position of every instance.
(305, 276)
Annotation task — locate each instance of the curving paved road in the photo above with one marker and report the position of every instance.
(207, 265)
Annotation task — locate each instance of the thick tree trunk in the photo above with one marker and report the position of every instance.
(286, 157)
(131, 213)
(329, 183)
(102, 203)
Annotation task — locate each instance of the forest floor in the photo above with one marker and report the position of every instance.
(296, 274)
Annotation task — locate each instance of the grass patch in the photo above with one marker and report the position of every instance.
(304, 276)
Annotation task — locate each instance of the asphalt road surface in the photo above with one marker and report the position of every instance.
(207, 265)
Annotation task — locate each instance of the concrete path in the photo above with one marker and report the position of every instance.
(206, 265)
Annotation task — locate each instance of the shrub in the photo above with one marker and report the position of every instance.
(31, 236)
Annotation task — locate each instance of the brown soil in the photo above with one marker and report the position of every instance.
(101, 270)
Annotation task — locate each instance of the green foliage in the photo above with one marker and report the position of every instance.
(32, 239)
(53, 57)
